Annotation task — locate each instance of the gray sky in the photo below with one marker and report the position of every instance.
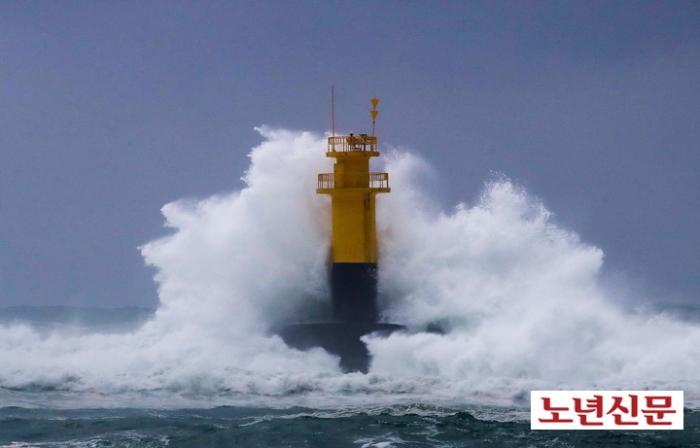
(108, 110)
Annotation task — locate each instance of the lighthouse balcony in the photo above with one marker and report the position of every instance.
(352, 144)
(374, 183)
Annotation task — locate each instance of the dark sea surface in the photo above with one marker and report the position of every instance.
(400, 426)
(45, 417)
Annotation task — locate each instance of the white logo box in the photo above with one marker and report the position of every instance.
(609, 409)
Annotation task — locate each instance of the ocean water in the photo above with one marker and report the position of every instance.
(383, 427)
(520, 302)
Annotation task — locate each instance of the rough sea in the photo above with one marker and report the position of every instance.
(394, 426)
(521, 302)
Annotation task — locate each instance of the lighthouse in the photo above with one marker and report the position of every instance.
(353, 258)
(353, 190)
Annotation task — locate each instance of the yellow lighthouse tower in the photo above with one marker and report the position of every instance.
(353, 254)
(353, 190)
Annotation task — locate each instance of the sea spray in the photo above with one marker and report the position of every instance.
(516, 301)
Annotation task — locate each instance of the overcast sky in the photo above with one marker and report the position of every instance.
(108, 110)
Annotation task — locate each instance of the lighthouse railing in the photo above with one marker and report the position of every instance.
(349, 143)
(326, 181)
(377, 181)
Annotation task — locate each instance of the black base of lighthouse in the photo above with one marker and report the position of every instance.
(337, 338)
(355, 314)
(354, 291)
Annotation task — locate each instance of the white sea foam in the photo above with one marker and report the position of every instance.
(519, 300)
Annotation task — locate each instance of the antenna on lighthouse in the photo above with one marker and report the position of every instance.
(374, 112)
(333, 111)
